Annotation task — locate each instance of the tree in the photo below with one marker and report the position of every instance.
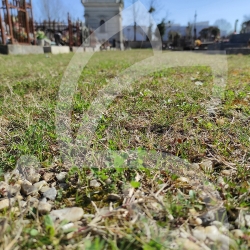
(52, 9)
(224, 26)
(161, 28)
(246, 18)
(210, 33)
(174, 38)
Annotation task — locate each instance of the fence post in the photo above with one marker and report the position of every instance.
(2, 29)
(70, 32)
(27, 22)
(9, 21)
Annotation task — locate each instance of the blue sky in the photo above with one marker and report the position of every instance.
(180, 11)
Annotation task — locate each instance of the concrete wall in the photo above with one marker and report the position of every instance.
(16, 49)
(235, 51)
(223, 46)
(56, 49)
(143, 44)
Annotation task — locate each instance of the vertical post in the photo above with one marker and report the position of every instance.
(27, 22)
(77, 34)
(9, 21)
(2, 29)
(32, 22)
(195, 18)
(70, 32)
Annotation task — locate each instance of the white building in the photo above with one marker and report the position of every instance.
(128, 33)
(98, 12)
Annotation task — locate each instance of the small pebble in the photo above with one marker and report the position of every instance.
(187, 244)
(207, 166)
(44, 189)
(6, 203)
(27, 189)
(44, 207)
(212, 233)
(94, 183)
(50, 193)
(40, 184)
(61, 177)
(113, 197)
(34, 178)
(69, 214)
(48, 176)
(183, 179)
(237, 233)
(227, 172)
(247, 220)
(4, 187)
(199, 233)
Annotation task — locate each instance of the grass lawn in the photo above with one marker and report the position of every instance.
(164, 156)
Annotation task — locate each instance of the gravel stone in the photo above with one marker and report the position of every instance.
(50, 194)
(40, 184)
(237, 233)
(48, 176)
(94, 183)
(70, 214)
(61, 177)
(207, 166)
(44, 207)
(199, 233)
(6, 202)
(113, 197)
(4, 187)
(27, 189)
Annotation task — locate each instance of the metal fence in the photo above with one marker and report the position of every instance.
(16, 22)
(17, 26)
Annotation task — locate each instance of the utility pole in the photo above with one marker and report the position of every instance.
(195, 18)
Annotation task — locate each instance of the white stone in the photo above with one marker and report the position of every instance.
(40, 184)
(187, 244)
(6, 203)
(199, 233)
(94, 183)
(61, 177)
(44, 207)
(69, 214)
(50, 193)
(212, 233)
(207, 166)
(237, 233)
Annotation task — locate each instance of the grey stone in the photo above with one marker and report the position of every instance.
(27, 189)
(4, 187)
(50, 193)
(34, 178)
(94, 183)
(113, 197)
(6, 203)
(14, 190)
(61, 177)
(69, 214)
(48, 176)
(44, 189)
(44, 207)
(33, 202)
(40, 184)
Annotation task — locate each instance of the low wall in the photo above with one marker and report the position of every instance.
(235, 51)
(56, 49)
(16, 49)
(224, 46)
(143, 44)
